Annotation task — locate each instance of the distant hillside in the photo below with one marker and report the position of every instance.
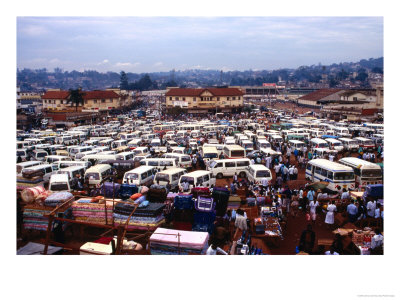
(40, 79)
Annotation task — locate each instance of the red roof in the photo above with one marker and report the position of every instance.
(56, 95)
(100, 95)
(198, 92)
(320, 94)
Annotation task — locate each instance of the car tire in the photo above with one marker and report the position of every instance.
(219, 176)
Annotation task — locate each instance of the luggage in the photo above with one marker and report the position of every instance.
(260, 201)
(200, 191)
(157, 195)
(183, 202)
(251, 201)
(221, 197)
(110, 190)
(205, 204)
(126, 190)
(29, 195)
(260, 229)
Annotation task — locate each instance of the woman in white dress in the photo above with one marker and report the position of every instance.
(313, 210)
(330, 215)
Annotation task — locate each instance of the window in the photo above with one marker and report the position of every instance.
(230, 165)
(94, 101)
(206, 178)
(233, 98)
(170, 98)
(194, 99)
(177, 98)
(227, 98)
(242, 163)
(219, 165)
(218, 98)
(103, 100)
(183, 98)
(324, 173)
(48, 170)
(354, 98)
(110, 100)
(143, 176)
(175, 177)
(85, 101)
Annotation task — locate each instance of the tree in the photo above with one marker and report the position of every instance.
(76, 97)
(123, 83)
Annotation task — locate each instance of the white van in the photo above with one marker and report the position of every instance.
(349, 144)
(142, 175)
(141, 150)
(71, 163)
(170, 176)
(318, 143)
(126, 155)
(99, 157)
(197, 179)
(209, 153)
(180, 150)
(27, 164)
(234, 151)
(44, 169)
(219, 147)
(95, 175)
(255, 173)
(276, 139)
(295, 144)
(59, 183)
(262, 143)
(118, 143)
(335, 144)
(160, 163)
(72, 171)
(135, 143)
(184, 160)
(228, 167)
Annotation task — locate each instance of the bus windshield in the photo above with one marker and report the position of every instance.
(188, 179)
(344, 176)
(371, 173)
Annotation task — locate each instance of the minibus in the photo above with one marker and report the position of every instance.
(365, 143)
(365, 172)
(276, 139)
(337, 175)
(72, 171)
(160, 163)
(141, 150)
(349, 144)
(135, 143)
(169, 176)
(219, 147)
(70, 163)
(255, 173)
(335, 144)
(77, 150)
(121, 166)
(126, 155)
(197, 179)
(94, 158)
(95, 175)
(142, 175)
(262, 143)
(228, 167)
(118, 143)
(234, 151)
(27, 164)
(184, 160)
(318, 143)
(295, 144)
(43, 170)
(209, 153)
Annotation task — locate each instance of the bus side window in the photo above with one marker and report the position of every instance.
(324, 173)
(330, 175)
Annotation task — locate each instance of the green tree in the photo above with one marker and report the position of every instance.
(123, 81)
(76, 97)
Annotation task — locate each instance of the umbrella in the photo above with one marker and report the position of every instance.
(320, 185)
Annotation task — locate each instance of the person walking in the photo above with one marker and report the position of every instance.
(330, 215)
(352, 211)
(313, 210)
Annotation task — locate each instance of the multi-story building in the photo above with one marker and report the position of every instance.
(57, 100)
(205, 100)
(29, 101)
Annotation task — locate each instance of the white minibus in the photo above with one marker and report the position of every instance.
(318, 143)
(365, 172)
(160, 163)
(234, 151)
(142, 175)
(349, 144)
(255, 173)
(184, 160)
(337, 175)
(197, 179)
(96, 174)
(169, 176)
(228, 167)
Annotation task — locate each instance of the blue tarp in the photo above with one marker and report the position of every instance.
(330, 137)
(374, 191)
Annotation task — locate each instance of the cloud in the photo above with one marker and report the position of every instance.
(158, 64)
(127, 64)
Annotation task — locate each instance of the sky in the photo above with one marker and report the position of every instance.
(153, 44)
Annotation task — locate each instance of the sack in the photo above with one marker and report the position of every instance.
(135, 196)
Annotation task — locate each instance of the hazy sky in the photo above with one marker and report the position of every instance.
(151, 44)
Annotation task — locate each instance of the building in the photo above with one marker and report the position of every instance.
(29, 101)
(57, 100)
(205, 100)
(318, 98)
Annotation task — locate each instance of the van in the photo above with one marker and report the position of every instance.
(262, 143)
(255, 173)
(54, 159)
(247, 145)
(122, 166)
(105, 142)
(119, 143)
(234, 151)
(146, 138)
(23, 154)
(94, 158)
(72, 171)
(184, 160)
(318, 143)
(219, 147)
(142, 175)
(276, 139)
(295, 144)
(141, 150)
(169, 176)
(24, 145)
(39, 154)
(95, 175)
(180, 150)
(342, 132)
(125, 155)
(43, 170)
(59, 183)
(209, 153)
(135, 143)
(365, 143)
(27, 164)
(349, 144)
(71, 163)
(160, 163)
(91, 142)
(228, 167)
(335, 144)
(197, 178)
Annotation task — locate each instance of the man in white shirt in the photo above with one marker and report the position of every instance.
(345, 195)
(277, 168)
(371, 206)
(264, 182)
(268, 161)
(376, 241)
(295, 172)
(331, 157)
(291, 171)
